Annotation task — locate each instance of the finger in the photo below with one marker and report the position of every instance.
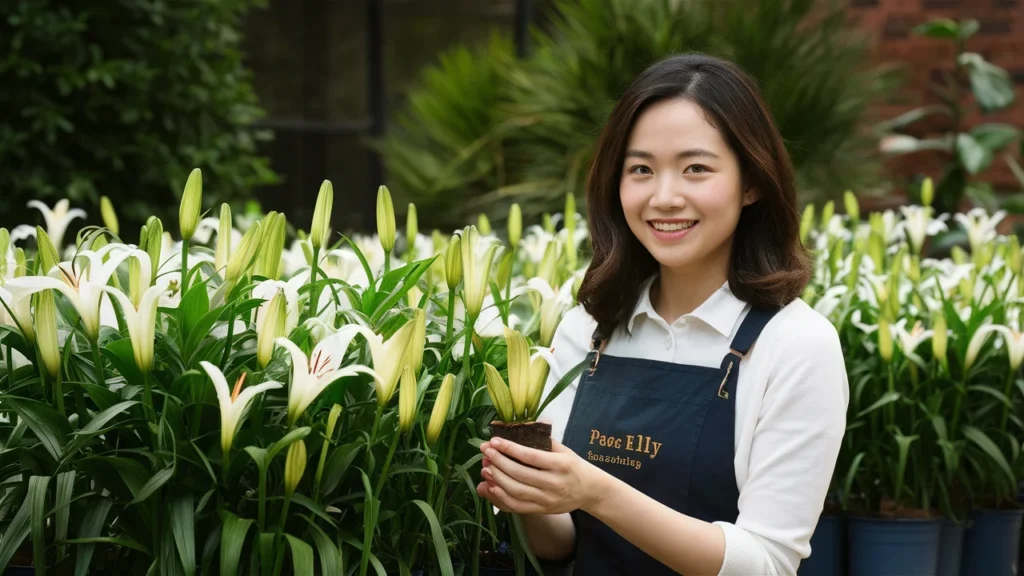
(486, 462)
(483, 489)
(530, 456)
(518, 490)
(512, 504)
(523, 474)
(558, 447)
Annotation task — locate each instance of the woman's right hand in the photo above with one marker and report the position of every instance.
(484, 489)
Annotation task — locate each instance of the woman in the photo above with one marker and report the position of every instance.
(683, 447)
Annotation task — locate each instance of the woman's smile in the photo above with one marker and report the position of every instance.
(669, 230)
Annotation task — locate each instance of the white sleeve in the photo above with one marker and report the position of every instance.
(793, 455)
(570, 345)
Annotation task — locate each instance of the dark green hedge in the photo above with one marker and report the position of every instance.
(123, 98)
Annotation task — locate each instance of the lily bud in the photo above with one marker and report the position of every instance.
(439, 414)
(549, 264)
(294, 466)
(826, 214)
(515, 225)
(135, 281)
(504, 268)
(1013, 261)
(5, 245)
(191, 205)
(220, 259)
(876, 250)
(806, 223)
(46, 332)
(477, 270)
(20, 263)
(547, 223)
(109, 215)
(570, 229)
(318, 231)
(927, 192)
(418, 339)
(243, 258)
(273, 327)
(885, 344)
(268, 262)
(518, 371)
(483, 224)
(852, 206)
(940, 339)
(154, 243)
(958, 255)
(385, 219)
(406, 400)
(453, 262)
(499, 393)
(412, 229)
(46, 253)
(332, 420)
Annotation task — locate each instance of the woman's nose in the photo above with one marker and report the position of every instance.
(669, 194)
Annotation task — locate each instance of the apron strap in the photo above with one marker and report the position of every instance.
(745, 337)
(597, 343)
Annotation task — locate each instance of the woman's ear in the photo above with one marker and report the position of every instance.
(751, 195)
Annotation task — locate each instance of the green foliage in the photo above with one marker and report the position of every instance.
(524, 131)
(121, 99)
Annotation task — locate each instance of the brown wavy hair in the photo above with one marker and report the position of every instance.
(770, 266)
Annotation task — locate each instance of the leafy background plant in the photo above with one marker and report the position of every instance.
(121, 99)
(459, 150)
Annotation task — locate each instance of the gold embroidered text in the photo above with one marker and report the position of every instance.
(631, 443)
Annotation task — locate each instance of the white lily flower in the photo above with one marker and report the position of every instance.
(910, 340)
(553, 306)
(84, 287)
(918, 224)
(313, 374)
(57, 219)
(1013, 339)
(141, 321)
(232, 403)
(535, 243)
(829, 301)
(979, 225)
(21, 308)
(390, 358)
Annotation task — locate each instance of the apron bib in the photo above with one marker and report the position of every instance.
(665, 429)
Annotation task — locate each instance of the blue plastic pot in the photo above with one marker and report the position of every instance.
(894, 547)
(992, 543)
(951, 546)
(826, 557)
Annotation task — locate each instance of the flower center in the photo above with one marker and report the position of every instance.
(238, 387)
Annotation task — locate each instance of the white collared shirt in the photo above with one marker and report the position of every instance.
(791, 401)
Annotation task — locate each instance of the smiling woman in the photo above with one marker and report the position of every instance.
(683, 449)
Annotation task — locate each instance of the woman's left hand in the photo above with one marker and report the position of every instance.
(559, 481)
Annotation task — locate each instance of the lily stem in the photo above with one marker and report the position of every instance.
(58, 394)
(261, 517)
(279, 553)
(147, 395)
(312, 281)
(184, 267)
(387, 464)
(451, 316)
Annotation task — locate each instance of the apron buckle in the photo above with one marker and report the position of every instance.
(722, 392)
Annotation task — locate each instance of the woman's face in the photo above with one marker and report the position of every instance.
(681, 187)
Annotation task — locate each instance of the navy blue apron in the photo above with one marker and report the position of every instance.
(665, 429)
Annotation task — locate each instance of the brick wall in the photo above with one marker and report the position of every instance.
(1000, 40)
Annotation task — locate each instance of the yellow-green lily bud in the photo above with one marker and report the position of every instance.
(826, 214)
(958, 255)
(983, 255)
(245, 255)
(20, 263)
(154, 243)
(806, 223)
(967, 288)
(549, 264)
(419, 339)
(412, 229)
(318, 231)
(406, 400)
(852, 206)
(332, 423)
(927, 192)
(499, 393)
(515, 225)
(504, 268)
(835, 256)
(876, 250)
(220, 259)
(109, 215)
(273, 248)
(1013, 261)
(518, 371)
(483, 224)
(570, 229)
(46, 253)
(46, 332)
(385, 219)
(476, 270)
(885, 344)
(439, 414)
(191, 205)
(294, 466)
(914, 269)
(5, 245)
(273, 327)
(453, 262)
(135, 287)
(940, 338)
(576, 283)
(547, 223)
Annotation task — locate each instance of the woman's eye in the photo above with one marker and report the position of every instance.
(640, 169)
(697, 168)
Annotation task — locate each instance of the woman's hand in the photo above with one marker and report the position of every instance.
(559, 481)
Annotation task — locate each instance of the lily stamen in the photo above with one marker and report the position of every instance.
(238, 387)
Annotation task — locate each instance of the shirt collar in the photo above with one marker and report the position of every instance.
(720, 311)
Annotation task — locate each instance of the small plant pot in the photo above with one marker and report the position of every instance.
(894, 546)
(951, 542)
(530, 434)
(992, 543)
(827, 545)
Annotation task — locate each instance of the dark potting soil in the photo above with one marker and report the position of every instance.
(531, 434)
